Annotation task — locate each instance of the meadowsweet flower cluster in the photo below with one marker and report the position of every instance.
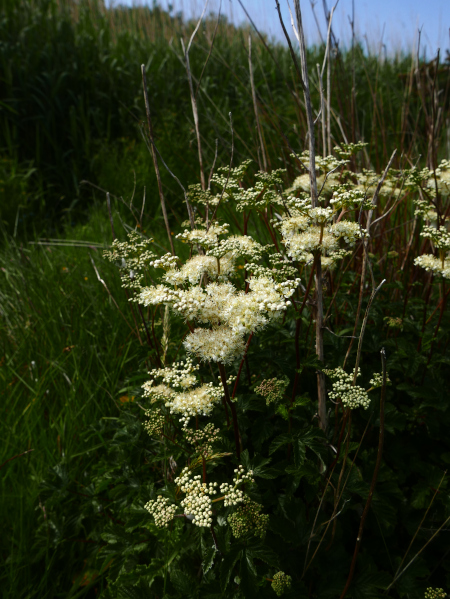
(181, 375)
(198, 266)
(179, 392)
(195, 402)
(263, 192)
(230, 313)
(443, 177)
(157, 392)
(435, 265)
(237, 246)
(155, 425)
(307, 231)
(377, 380)
(161, 510)
(247, 520)
(203, 439)
(197, 503)
(281, 582)
(231, 492)
(132, 257)
(352, 396)
(439, 237)
(437, 593)
(347, 195)
(272, 389)
(166, 262)
(133, 254)
(302, 183)
(220, 344)
(205, 238)
(394, 321)
(349, 231)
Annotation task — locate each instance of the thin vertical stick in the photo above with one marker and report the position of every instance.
(194, 98)
(155, 159)
(309, 113)
(365, 255)
(328, 63)
(318, 308)
(322, 112)
(223, 378)
(108, 204)
(374, 477)
(255, 107)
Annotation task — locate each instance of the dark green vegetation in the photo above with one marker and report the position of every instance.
(72, 361)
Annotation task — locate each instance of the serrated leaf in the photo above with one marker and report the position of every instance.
(248, 576)
(265, 554)
(183, 582)
(227, 566)
(208, 554)
(279, 441)
(299, 452)
(256, 464)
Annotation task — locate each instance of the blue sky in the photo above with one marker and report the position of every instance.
(395, 22)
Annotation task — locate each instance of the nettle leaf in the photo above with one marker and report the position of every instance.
(308, 469)
(251, 402)
(257, 464)
(310, 362)
(279, 441)
(393, 419)
(138, 518)
(263, 553)
(248, 576)
(262, 429)
(421, 495)
(127, 592)
(208, 553)
(183, 582)
(302, 400)
(420, 392)
(227, 566)
(299, 452)
(282, 411)
(369, 583)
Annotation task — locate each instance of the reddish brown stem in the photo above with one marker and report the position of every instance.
(374, 479)
(223, 378)
(240, 366)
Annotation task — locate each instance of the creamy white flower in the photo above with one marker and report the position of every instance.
(199, 401)
(310, 241)
(151, 296)
(347, 230)
(197, 503)
(157, 392)
(220, 344)
(433, 264)
(292, 225)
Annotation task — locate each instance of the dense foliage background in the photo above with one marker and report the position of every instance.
(73, 358)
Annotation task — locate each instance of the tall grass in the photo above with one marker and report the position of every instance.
(67, 100)
(71, 362)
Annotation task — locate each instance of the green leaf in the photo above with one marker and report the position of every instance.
(264, 553)
(299, 452)
(183, 582)
(279, 441)
(248, 576)
(228, 564)
(208, 554)
(257, 464)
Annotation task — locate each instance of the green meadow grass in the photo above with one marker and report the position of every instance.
(70, 362)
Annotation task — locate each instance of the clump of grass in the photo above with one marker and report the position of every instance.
(67, 328)
(82, 92)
